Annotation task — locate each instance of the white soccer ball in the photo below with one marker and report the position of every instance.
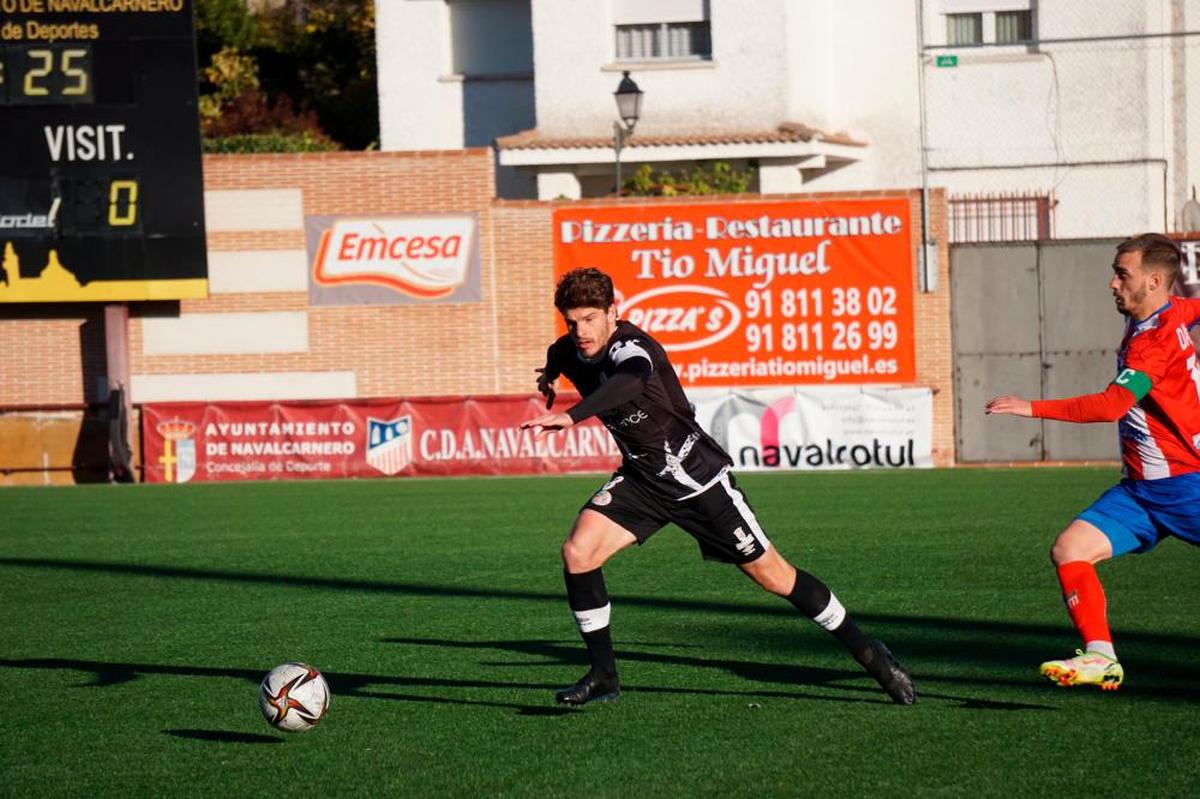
(293, 697)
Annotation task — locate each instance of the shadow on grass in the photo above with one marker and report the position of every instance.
(956, 643)
(996, 630)
(342, 684)
(555, 653)
(379, 686)
(223, 736)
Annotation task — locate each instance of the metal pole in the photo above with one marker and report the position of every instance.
(927, 276)
(618, 132)
(116, 347)
(116, 352)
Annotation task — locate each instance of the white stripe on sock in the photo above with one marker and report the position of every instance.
(833, 615)
(1103, 647)
(594, 619)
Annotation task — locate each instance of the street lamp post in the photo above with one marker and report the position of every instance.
(629, 108)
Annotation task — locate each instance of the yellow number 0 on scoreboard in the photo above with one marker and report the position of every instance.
(115, 217)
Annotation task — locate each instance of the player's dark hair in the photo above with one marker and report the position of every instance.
(583, 288)
(1159, 252)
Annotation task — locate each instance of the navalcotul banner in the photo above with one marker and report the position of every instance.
(827, 427)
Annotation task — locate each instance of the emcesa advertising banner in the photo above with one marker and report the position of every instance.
(757, 294)
(395, 259)
(820, 428)
(190, 442)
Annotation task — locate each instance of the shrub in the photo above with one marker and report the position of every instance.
(303, 142)
(717, 178)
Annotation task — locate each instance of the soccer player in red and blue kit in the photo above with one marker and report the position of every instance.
(1156, 397)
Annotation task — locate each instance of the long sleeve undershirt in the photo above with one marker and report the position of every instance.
(1106, 406)
(624, 386)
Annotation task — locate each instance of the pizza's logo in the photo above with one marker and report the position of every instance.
(427, 257)
(178, 458)
(389, 444)
(683, 317)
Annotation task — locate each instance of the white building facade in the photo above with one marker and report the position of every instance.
(1085, 105)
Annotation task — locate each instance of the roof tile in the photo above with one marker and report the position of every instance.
(532, 139)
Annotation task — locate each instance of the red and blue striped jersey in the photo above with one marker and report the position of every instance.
(1160, 434)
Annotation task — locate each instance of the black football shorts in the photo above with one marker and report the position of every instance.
(720, 518)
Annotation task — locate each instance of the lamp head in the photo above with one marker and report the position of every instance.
(629, 101)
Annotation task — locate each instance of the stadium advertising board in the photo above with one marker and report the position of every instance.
(762, 429)
(393, 260)
(194, 442)
(101, 190)
(836, 427)
(759, 294)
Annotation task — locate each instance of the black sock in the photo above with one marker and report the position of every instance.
(814, 599)
(588, 598)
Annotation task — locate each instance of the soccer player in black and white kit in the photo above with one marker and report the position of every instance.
(671, 471)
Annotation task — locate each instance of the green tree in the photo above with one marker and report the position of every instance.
(322, 55)
(221, 24)
(238, 117)
(314, 66)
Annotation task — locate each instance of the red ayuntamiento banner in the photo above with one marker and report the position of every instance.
(200, 441)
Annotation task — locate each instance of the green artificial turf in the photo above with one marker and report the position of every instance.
(137, 621)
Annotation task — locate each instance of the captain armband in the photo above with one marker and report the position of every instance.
(1133, 381)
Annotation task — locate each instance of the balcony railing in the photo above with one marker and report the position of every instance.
(978, 218)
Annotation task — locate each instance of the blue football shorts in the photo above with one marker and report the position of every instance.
(1136, 514)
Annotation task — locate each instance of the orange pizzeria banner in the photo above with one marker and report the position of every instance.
(759, 294)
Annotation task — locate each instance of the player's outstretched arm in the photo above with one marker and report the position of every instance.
(1010, 404)
(624, 386)
(547, 381)
(1106, 406)
(546, 386)
(547, 423)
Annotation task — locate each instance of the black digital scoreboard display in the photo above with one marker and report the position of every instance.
(101, 185)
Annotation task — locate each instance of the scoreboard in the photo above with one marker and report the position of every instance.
(101, 188)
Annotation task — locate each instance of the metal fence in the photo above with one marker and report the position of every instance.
(979, 218)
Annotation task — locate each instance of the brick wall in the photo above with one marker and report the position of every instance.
(55, 353)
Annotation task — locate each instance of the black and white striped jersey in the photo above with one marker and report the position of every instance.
(657, 432)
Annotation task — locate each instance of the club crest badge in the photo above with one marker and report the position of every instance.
(389, 444)
(178, 458)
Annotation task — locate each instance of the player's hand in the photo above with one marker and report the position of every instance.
(1011, 404)
(546, 386)
(547, 423)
